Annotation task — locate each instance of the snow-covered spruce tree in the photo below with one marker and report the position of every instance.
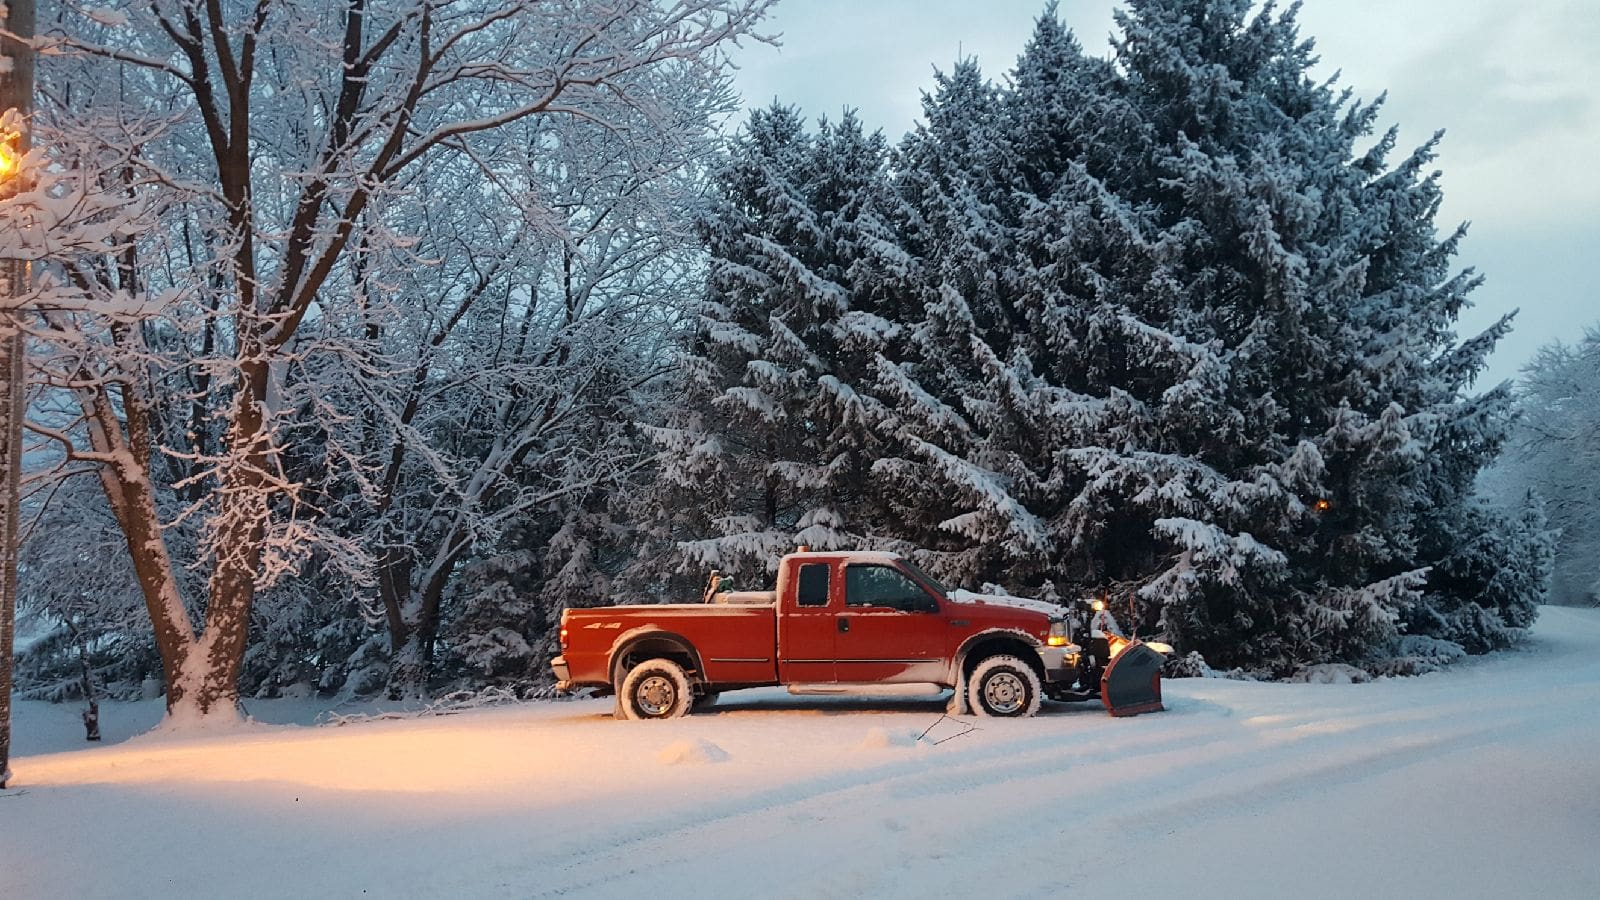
(771, 441)
(1555, 453)
(1166, 329)
(1028, 251)
(1317, 459)
(935, 374)
(1054, 336)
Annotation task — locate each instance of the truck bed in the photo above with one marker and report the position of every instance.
(735, 641)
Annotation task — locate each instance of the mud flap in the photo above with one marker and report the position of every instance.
(1132, 682)
(958, 701)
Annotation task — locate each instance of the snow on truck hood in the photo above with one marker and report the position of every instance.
(1038, 606)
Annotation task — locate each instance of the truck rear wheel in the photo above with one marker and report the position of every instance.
(655, 689)
(1003, 687)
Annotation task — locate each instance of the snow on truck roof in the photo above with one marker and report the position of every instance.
(849, 556)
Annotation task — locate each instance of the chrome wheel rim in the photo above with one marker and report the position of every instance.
(655, 695)
(1004, 693)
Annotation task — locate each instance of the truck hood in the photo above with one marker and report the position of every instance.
(1038, 606)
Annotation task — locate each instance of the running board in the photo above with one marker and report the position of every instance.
(866, 689)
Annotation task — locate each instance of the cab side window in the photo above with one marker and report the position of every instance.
(885, 588)
(813, 586)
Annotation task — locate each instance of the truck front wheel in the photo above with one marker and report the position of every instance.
(1003, 687)
(655, 689)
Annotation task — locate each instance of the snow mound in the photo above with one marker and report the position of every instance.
(1191, 665)
(1417, 654)
(882, 738)
(185, 722)
(1330, 673)
(696, 752)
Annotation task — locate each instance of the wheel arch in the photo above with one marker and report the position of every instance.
(636, 646)
(994, 642)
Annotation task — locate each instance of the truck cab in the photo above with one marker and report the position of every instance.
(877, 618)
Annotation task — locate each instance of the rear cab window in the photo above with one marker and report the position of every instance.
(813, 585)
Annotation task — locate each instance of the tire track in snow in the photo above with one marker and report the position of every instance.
(1042, 761)
(1187, 797)
(1198, 771)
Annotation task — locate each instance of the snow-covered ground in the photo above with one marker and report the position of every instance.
(1483, 781)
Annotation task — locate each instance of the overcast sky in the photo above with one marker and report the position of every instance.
(1516, 86)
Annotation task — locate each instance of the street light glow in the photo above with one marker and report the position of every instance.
(10, 159)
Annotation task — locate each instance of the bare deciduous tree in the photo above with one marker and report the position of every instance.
(266, 147)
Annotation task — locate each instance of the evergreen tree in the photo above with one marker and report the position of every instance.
(1158, 326)
(949, 381)
(772, 442)
(1328, 446)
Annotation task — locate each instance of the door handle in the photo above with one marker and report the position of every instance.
(844, 625)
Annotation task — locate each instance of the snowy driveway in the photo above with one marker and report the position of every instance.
(1479, 782)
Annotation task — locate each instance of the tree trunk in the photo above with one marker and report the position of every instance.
(210, 681)
(91, 710)
(209, 684)
(202, 675)
(413, 651)
(131, 498)
(408, 673)
(413, 615)
(413, 661)
(394, 585)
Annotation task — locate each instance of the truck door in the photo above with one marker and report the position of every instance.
(806, 627)
(890, 630)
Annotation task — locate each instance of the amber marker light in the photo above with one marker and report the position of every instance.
(1322, 504)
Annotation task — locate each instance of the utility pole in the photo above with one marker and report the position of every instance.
(16, 92)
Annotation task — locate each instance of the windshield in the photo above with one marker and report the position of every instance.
(927, 579)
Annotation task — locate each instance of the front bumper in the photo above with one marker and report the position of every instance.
(563, 675)
(1060, 663)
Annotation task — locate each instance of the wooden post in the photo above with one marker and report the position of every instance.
(16, 92)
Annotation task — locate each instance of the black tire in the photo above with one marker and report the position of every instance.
(1004, 687)
(655, 689)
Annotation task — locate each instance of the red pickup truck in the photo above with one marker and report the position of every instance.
(842, 621)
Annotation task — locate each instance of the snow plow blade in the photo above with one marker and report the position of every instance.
(1132, 682)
